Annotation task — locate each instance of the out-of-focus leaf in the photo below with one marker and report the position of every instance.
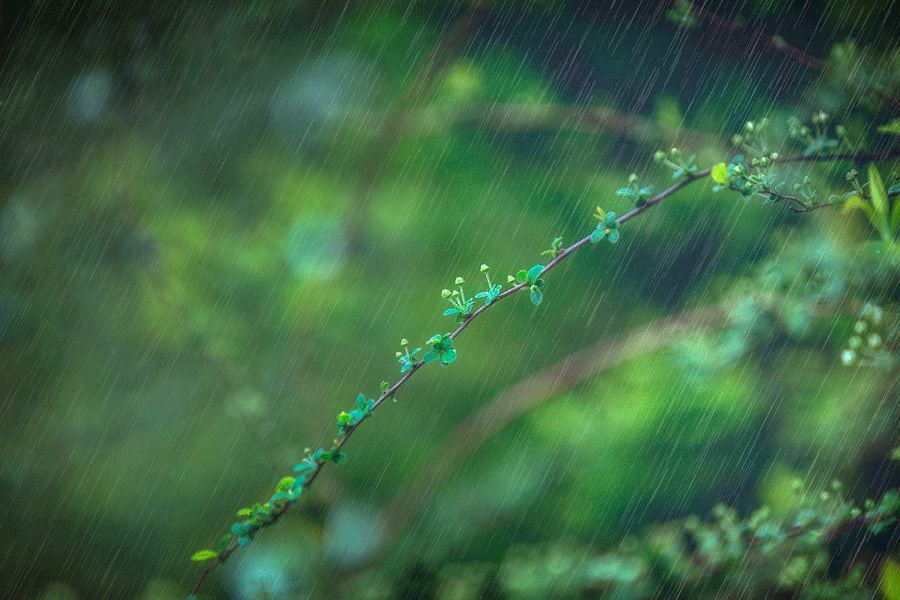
(890, 580)
(892, 128)
(857, 202)
(882, 207)
(203, 555)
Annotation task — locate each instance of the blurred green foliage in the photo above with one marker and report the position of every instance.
(198, 271)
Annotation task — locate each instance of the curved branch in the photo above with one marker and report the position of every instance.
(516, 117)
(667, 193)
(524, 396)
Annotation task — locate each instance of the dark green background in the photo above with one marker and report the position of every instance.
(211, 242)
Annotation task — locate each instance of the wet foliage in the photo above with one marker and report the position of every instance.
(216, 221)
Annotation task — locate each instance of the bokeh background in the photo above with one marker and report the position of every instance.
(217, 220)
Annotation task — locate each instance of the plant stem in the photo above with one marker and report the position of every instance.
(668, 192)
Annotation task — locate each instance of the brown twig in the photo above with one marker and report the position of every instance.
(523, 117)
(775, 42)
(779, 44)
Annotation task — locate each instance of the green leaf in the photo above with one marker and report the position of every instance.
(537, 296)
(597, 235)
(534, 273)
(284, 484)
(890, 580)
(244, 512)
(613, 236)
(202, 555)
(339, 458)
(719, 173)
(431, 356)
(893, 127)
(895, 220)
(521, 276)
(880, 204)
(448, 356)
(610, 220)
(857, 202)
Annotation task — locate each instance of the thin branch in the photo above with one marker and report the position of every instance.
(779, 44)
(775, 42)
(794, 203)
(278, 512)
(548, 116)
(382, 146)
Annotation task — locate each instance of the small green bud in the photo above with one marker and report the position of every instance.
(445, 293)
(398, 354)
(737, 140)
(632, 178)
(485, 268)
(848, 357)
(851, 175)
(748, 126)
(860, 326)
(855, 342)
(874, 341)
(659, 156)
(404, 342)
(840, 130)
(773, 156)
(459, 281)
(510, 279)
(875, 313)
